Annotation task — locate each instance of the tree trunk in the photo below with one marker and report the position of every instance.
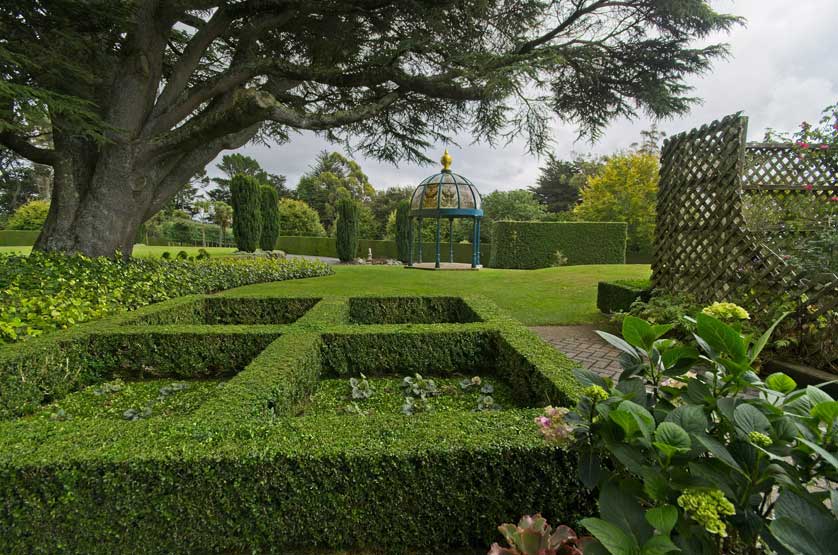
(102, 194)
(99, 200)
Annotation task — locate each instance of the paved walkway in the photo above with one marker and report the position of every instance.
(582, 345)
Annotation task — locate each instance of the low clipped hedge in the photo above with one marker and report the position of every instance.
(529, 245)
(410, 310)
(45, 292)
(617, 296)
(242, 473)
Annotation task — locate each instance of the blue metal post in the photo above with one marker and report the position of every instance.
(474, 243)
(410, 240)
(451, 240)
(420, 240)
(437, 242)
(478, 242)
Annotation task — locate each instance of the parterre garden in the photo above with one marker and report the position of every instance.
(237, 435)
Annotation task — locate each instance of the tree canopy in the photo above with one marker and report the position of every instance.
(127, 100)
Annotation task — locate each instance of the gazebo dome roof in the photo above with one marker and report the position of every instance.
(446, 195)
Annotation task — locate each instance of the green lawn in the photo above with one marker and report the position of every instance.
(143, 250)
(565, 295)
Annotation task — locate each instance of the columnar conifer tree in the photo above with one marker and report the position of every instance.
(403, 230)
(247, 216)
(347, 229)
(270, 218)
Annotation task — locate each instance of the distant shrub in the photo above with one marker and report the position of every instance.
(298, 219)
(31, 216)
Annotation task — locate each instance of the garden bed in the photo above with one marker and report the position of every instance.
(321, 479)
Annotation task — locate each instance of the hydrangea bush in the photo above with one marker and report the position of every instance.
(692, 452)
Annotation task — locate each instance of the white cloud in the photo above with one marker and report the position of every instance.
(782, 71)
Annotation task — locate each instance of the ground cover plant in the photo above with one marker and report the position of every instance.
(692, 452)
(282, 479)
(46, 292)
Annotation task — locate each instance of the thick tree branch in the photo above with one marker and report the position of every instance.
(26, 149)
(252, 106)
(190, 59)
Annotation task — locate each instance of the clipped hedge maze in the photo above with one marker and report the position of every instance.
(247, 469)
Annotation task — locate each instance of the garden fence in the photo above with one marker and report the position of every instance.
(750, 223)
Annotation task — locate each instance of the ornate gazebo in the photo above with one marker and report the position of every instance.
(445, 195)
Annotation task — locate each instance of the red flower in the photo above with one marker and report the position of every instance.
(834, 199)
(824, 147)
(809, 187)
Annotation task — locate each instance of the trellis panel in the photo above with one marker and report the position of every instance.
(704, 246)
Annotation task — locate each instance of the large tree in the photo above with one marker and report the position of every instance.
(235, 164)
(331, 177)
(139, 95)
(559, 181)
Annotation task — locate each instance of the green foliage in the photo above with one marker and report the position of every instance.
(9, 238)
(247, 216)
(517, 205)
(110, 484)
(685, 461)
(269, 209)
(43, 292)
(528, 245)
(410, 310)
(234, 164)
(332, 178)
(299, 219)
(618, 296)
(560, 181)
(29, 216)
(403, 230)
(533, 536)
(624, 190)
(346, 238)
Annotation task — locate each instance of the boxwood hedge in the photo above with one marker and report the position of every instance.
(242, 473)
(527, 245)
(617, 296)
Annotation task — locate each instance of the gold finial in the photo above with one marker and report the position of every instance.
(446, 160)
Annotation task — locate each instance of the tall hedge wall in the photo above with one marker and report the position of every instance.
(528, 245)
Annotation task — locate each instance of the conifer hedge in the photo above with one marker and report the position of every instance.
(347, 229)
(270, 218)
(247, 215)
(403, 230)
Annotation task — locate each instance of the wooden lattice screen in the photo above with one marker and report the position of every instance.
(703, 244)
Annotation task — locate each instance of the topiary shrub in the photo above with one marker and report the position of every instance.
(247, 215)
(270, 218)
(617, 296)
(528, 245)
(347, 229)
(403, 230)
(31, 216)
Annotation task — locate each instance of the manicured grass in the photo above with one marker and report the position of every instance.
(143, 250)
(551, 296)
(333, 397)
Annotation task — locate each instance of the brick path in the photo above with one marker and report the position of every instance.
(582, 345)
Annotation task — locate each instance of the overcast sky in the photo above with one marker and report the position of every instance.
(782, 70)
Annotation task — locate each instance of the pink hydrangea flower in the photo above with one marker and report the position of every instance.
(543, 421)
(824, 147)
(834, 199)
(802, 144)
